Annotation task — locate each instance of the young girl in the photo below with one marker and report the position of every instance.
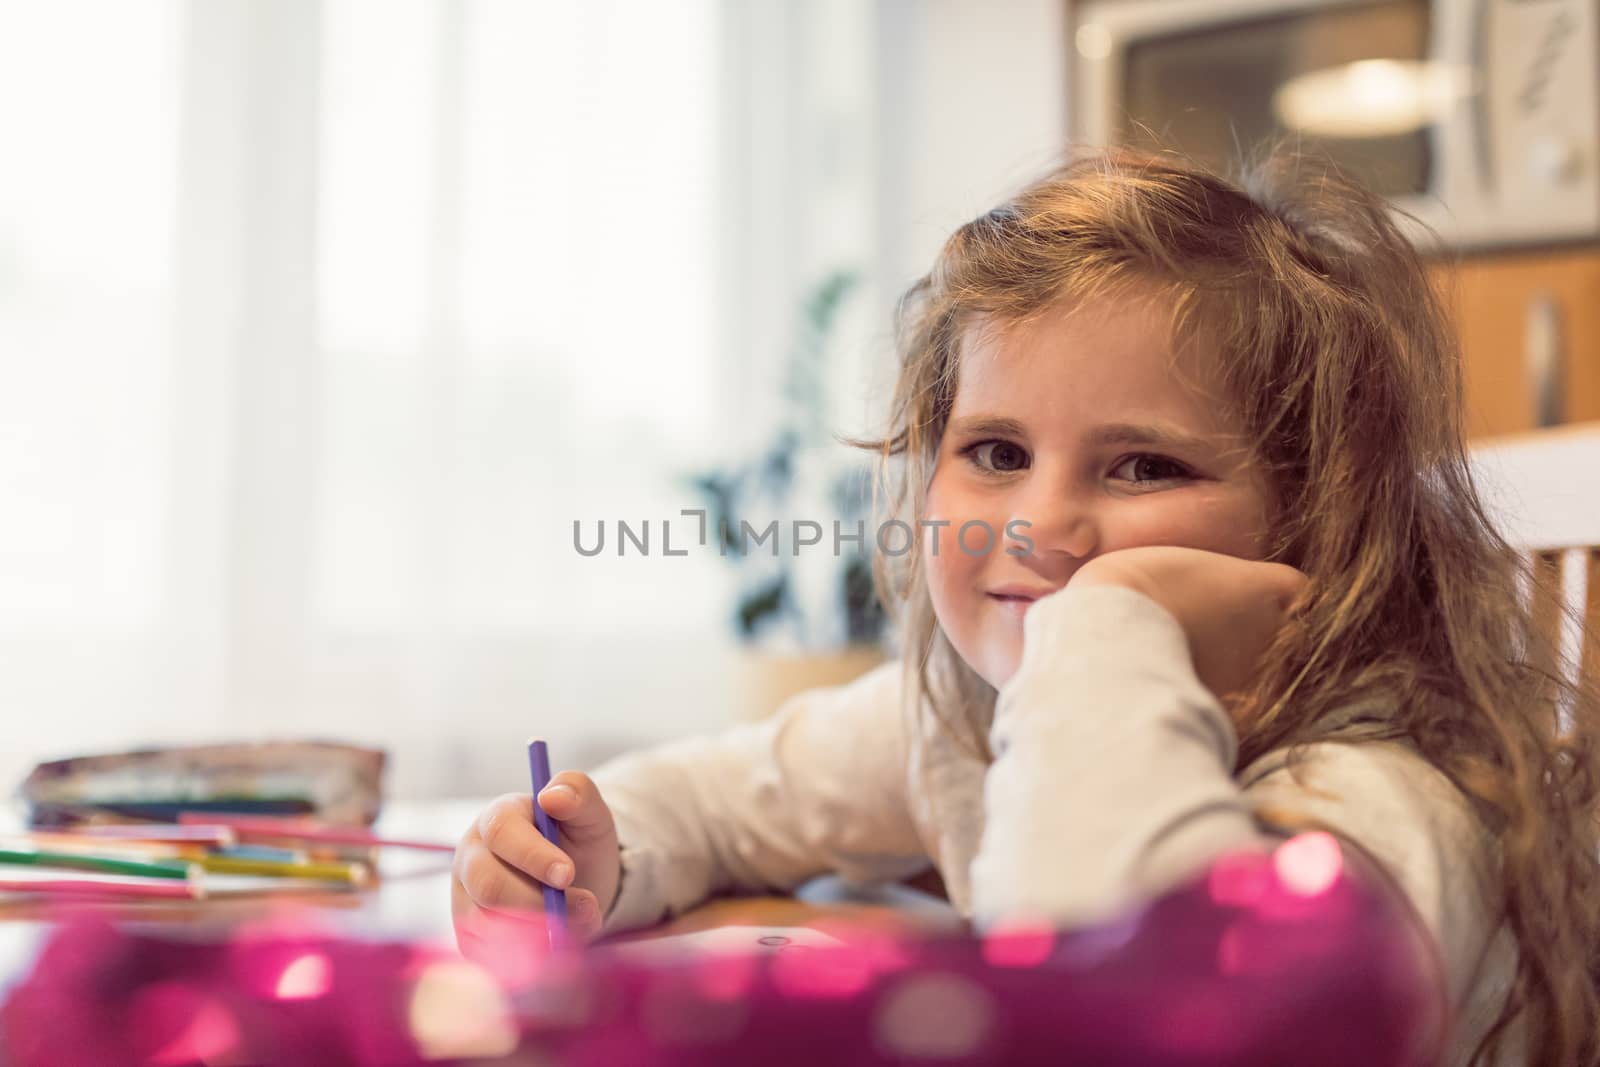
(1199, 565)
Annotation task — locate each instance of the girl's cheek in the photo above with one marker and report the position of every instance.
(936, 544)
(1229, 524)
(950, 498)
(936, 507)
(955, 507)
(944, 592)
(952, 576)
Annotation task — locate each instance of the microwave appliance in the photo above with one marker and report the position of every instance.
(1479, 118)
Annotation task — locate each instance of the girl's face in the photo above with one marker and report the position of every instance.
(1082, 433)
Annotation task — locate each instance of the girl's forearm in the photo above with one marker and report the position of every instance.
(1112, 777)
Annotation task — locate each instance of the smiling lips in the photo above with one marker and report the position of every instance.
(1017, 598)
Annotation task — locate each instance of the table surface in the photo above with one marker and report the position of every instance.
(411, 899)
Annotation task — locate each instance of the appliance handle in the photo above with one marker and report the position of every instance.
(1543, 351)
(1478, 63)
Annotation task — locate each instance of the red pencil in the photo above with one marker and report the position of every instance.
(266, 827)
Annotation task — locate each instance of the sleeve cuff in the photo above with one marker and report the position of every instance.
(638, 902)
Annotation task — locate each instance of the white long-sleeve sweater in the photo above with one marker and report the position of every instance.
(1112, 781)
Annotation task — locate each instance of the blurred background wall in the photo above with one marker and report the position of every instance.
(321, 321)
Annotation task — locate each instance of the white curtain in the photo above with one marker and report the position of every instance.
(320, 323)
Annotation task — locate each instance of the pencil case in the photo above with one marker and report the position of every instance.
(335, 783)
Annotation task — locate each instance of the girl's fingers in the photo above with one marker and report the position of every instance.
(491, 883)
(583, 914)
(506, 828)
(574, 799)
(491, 898)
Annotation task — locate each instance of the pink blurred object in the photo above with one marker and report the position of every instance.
(1266, 960)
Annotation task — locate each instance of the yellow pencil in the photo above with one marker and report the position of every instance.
(354, 873)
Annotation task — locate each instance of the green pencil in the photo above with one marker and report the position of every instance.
(103, 864)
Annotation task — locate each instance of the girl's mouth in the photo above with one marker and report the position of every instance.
(1021, 591)
(1013, 603)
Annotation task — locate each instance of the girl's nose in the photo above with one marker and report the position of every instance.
(1057, 524)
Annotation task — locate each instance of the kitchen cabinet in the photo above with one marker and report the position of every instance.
(1530, 336)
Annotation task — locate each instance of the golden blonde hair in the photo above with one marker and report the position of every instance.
(1344, 372)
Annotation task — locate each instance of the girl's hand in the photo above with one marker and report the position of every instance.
(1230, 608)
(503, 862)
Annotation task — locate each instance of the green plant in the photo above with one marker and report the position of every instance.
(768, 597)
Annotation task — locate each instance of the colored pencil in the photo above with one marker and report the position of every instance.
(76, 887)
(263, 852)
(74, 845)
(260, 828)
(354, 873)
(166, 811)
(555, 900)
(103, 864)
(171, 833)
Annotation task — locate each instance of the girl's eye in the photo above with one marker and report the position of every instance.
(996, 457)
(1147, 468)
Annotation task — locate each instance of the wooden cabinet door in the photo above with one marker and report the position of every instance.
(1493, 298)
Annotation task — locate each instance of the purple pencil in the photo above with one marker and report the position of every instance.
(555, 900)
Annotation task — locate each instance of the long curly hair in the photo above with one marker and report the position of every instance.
(1344, 369)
